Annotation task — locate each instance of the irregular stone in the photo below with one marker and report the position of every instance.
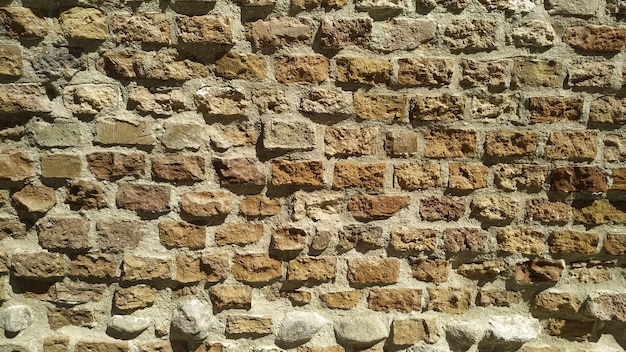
(520, 177)
(70, 233)
(533, 34)
(106, 165)
(465, 333)
(206, 204)
(316, 206)
(193, 319)
(539, 270)
(145, 268)
(76, 292)
(234, 65)
(38, 265)
(178, 233)
(311, 270)
(231, 297)
(373, 271)
(516, 328)
(248, 325)
(500, 108)
(572, 242)
(464, 239)
(579, 178)
(16, 318)
(485, 270)
(270, 99)
(124, 131)
(598, 212)
(297, 173)
(523, 240)
(362, 330)
(146, 27)
(11, 227)
(402, 34)
(503, 143)
(56, 343)
(413, 240)
(450, 143)
(557, 302)
(11, 64)
(144, 197)
(498, 298)
(35, 198)
(399, 299)
(430, 270)
(495, 209)
(467, 176)
(216, 266)
(91, 99)
(86, 195)
(288, 135)
(161, 102)
(206, 29)
(259, 206)
(190, 269)
(591, 73)
(61, 166)
(382, 4)
(344, 32)
(301, 68)
(406, 332)
(178, 167)
(342, 299)
(401, 143)
(471, 34)
(365, 206)
(23, 22)
(256, 268)
(570, 329)
(15, 165)
(134, 297)
(553, 109)
(575, 7)
(115, 234)
(287, 238)
(24, 97)
(60, 317)
(58, 61)
(129, 325)
(58, 134)
(496, 74)
(368, 236)
(350, 141)
(414, 176)
(278, 32)
(594, 38)
(299, 327)
(94, 265)
(434, 72)
(84, 23)
(538, 73)
(220, 101)
(443, 108)
(449, 300)
(101, 346)
(238, 234)
(572, 145)
(172, 65)
(367, 71)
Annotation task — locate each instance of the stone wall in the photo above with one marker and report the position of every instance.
(312, 175)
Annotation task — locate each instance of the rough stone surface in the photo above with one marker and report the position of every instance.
(193, 319)
(299, 327)
(364, 331)
(16, 318)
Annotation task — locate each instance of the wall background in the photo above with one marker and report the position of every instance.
(313, 175)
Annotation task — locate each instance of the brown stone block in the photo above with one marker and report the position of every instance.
(364, 206)
(399, 299)
(373, 271)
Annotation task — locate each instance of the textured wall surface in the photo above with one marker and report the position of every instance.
(312, 175)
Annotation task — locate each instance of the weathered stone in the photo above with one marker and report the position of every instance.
(572, 145)
(465, 333)
(145, 268)
(278, 32)
(172, 65)
(430, 270)
(16, 318)
(368, 236)
(467, 176)
(84, 23)
(449, 300)
(599, 212)
(69, 233)
(523, 240)
(402, 34)
(288, 135)
(35, 198)
(61, 166)
(24, 97)
(124, 131)
(307, 4)
(383, 4)
(592, 271)
(162, 102)
(380, 106)
(513, 328)
(115, 234)
(494, 74)
(327, 102)
(413, 240)
(60, 317)
(373, 271)
(516, 7)
(234, 136)
(75, 292)
(342, 299)
(442, 208)
(564, 242)
(464, 239)
(238, 234)
(178, 167)
(101, 346)
(520, 177)
(193, 319)
(594, 38)
(128, 325)
(316, 206)
(570, 329)
(220, 101)
(299, 327)
(56, 343)
(190, 269)
(450, 143)
(496, 210)
(11, 64)
(58, 61)
(496, 108)
(405, 332)
(144, 197)
(206, 203)
(361, 330)
(58, 134)
(607, 110)
(312, 270)
(579, 178)
(553, 109)
(498, 298)
(301, 68)
(619, 179)
(256, 268)
(350, 141)
(572, 7)
(509, 143)
(348, 174)
(297, 173)
(259, 206)
(485, 270)
(176, 234)
(443, 108)
(207, 29)
(344, 32)
(86, 195)
(23, 22)
(90, 99)
(591, 73)
(15, 165)
(231, 297)
(11, 227)
(94, 265)
(216, 266)
(360, 70)
(533, 34)
(557, 302)
(538, 73)
(38, 265)
(106, 165)
(288, 238)
(401, 143)
(472, 34)
(400, 299)
(433, 72)
(234, 65)
(253, 325)
(365, 206)
(539, 270)
(146, 27)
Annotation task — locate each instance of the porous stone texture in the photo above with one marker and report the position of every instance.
(312, 175)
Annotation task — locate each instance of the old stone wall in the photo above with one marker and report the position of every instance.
(312, 175)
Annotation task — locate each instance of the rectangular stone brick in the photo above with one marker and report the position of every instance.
(614, 147)
(572, 145)
(90, 99)
(84, 23)
(498, 298)
(413, 240)
(189, 266)
(291, 134)
(340, 141)
(402, 33)
(256, 268)
(145, 268)
(493, 74)
(39, 265)
(248, 325)
(573, 242)
(231, 297)
(548, 212)
(350, 174)
(206, 29)
(538, 73)
(259, 206)
(23, 22)
(430, 270)
(597, 73)
(520, 177)
(148, 27)
(344, 32)
(206, 204)
(101, 346)
(464, 239)
(179, 168)
(554, 109)
(467, 176)
(503, 143)
(376, 207)
(169, 64)
(11, 61)
(69, 233)
(117, 234)
(179, 233)
(472, 34)
(406, 332)
(56, 343)
(579, 178)
(297, 173)
(61, 166)
(447, 208)
(443, 108)
(220, 101)
(452, 300)
(123, 63)
(619, 179)
(521, 240)
(58, 134)
(94, 266)
(594, 38)
(608, 110)
(312, 270)
(341, 299)
(399, 299)
(24, 97)
(373, 271)
(278, 32)
(106, 165)
(238, 234)
(124, 131)
(149, 198)
(235, 65)
(401, 142)
(360, 70)
(288, 239)
(301, 68)
(450, 143)
(15, 165)
(496, 108)
(433, 72)
(417, 175)
(380, 106)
